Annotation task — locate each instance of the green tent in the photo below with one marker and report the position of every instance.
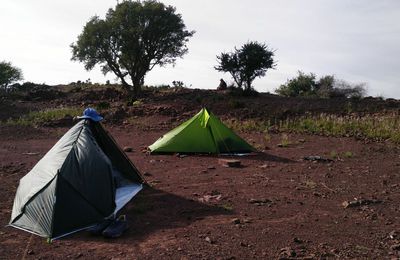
(84, 178)
(203, 133)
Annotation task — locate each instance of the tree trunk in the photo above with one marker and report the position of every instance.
(248, 85)
(137, 89)
(137, 85)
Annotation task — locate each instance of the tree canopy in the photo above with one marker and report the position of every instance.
(9, 74)
(131, 40)
(252, 60)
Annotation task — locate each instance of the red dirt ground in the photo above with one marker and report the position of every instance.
(277, 206)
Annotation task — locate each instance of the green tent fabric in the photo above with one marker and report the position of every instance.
(203, 133)
(88, 174)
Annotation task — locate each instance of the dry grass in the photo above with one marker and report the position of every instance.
(38, 117)
(379, 127)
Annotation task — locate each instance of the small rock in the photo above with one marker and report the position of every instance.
(147, 174)
(128, 149)
(208, 239)
(286, 252)
(30, 153)
(394, 234)
(317, 194)
(247, 220)
(360, 202)
(316, 158)
(30, 252)
(208, 198)
(229, 163)
(211, 167)
(181, 155)
(236, 221)
(260, 202)
(297, 240)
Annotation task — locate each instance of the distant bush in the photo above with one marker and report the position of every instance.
(156, 87)
(302, 85)
(178, 84)
(307, 85)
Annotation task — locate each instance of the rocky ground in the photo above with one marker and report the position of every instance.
(285, 202)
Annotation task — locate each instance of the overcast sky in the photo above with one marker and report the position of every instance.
(355, 40)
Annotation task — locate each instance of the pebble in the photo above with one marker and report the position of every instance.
(128, 149)
(236, 221)
(208, 239)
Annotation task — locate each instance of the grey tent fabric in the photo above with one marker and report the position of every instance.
(74, 185)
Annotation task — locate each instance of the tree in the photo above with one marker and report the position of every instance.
(252, 60)
(132, 40)
(9, 74)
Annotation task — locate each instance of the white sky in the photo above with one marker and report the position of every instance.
(356, 40)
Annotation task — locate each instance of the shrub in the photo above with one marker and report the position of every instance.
(326, 87)
(302, 85)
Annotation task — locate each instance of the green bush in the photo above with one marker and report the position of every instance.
(302, 85)
(326, 87)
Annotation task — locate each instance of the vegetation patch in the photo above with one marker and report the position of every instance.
(248, 125)
(285, 142)
(378, 127)
(39, 117)
(227, 207)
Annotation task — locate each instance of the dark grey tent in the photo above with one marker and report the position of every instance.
(83, 179)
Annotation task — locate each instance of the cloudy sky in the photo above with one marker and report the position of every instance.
(355, 40)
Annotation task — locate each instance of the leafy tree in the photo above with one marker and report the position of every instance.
(131, 40)
(9, 74)
(252, 60)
